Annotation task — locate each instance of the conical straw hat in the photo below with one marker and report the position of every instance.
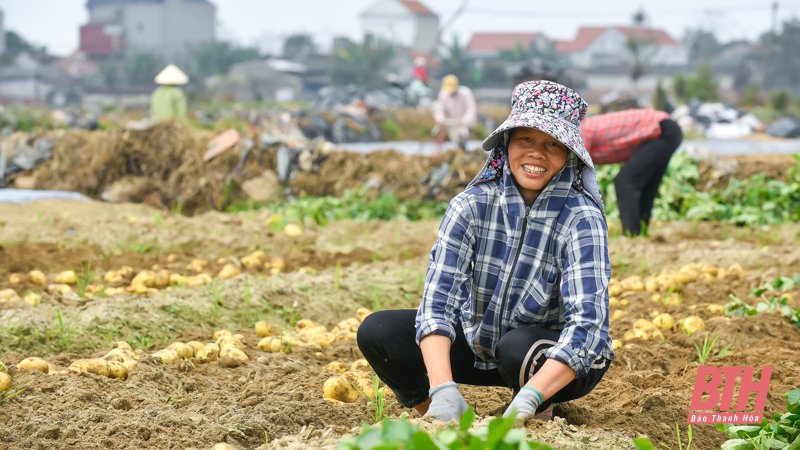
(171, 75)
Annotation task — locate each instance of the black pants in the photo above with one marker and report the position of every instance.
(638, 180)
(388, 341)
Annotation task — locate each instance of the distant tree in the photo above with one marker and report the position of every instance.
(751, 96)
(780, 101)
(363, 63)
(640, 48)
(660, 100)
(780, 56)
(680, 87)
(15, 44)
(702, 86)
(703, 45)
(494, 72)
(216, 58)
(298, 46)
(456, 60)
(141, 66)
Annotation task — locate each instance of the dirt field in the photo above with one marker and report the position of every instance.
(275, 399)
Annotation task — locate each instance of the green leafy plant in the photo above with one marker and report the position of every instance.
(782, 432)
(16, 389)
(499, 434)
(774, 298)
(84, 278)
(378, 399)
(704, 351)
(62, 331)
(680, 438)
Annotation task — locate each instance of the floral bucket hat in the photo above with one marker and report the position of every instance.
(556, 110)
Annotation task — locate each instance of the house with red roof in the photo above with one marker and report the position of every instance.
(407, 23)
(598, 47)
(488, 45)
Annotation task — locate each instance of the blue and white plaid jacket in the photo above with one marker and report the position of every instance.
(497, 265)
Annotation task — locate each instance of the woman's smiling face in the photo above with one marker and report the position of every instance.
(535, 158)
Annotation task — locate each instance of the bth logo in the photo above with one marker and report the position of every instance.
(720, 383)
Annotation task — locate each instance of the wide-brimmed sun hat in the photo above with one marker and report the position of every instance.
(549, 107)
(171, 75)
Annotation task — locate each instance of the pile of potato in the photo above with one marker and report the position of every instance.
(350, 383)
(308, 334)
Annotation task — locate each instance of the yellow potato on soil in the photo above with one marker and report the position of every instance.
(264, 329)
(228, 271)
(366, 386)
(95, 366)
(162, 279)
(624, 303)
(117, 370)
(197, 265)
(715, 309)
(650, 284)
(37, 277)
(198, 280)
(196, 346)
(736, 270)
(338, 388)
(8, 295)
(692, 325)
(664, 321)
(230, 342)
(644, 325)
(55, 289)
(270, 344)
(145, 278)
(307, 333)
(613, 302)
(618, 314)
(5, 381)
(323, 340)
(361, 365)
(113, 277)
(208, 353)
(172, 258)
(67, 277)
(118, 355)
(223, 446)
(260, 254)
(129, 364)
(183, 350)
(635, 333)
(344, 336)
(614, 290)
(292, 230)
(34, 364)
(617, 344)
(168, 356)
(140, 289)
(219, 333)
(276, 262)
(672, 299)
(362, 313)
(655, 335)
(234, 354)
(350, 325)
(304, 323)
(176, 279)
(16, 278)
(336, 366)
(251, 262)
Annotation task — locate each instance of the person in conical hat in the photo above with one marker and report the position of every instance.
(516, 291)
(168, 101)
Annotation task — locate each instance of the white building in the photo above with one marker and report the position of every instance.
(595, 47)
(407, 23)
(167, 27)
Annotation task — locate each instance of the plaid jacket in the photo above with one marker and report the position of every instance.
(612, 137)
(497, 265)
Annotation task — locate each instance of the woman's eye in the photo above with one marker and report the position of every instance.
(553, 144)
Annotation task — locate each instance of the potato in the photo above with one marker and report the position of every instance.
(614, 290)
(304, 323)
(67, 277)
(618, 314)
(344, 336)
(95, 366)
(197, 265)
(336, 366)
(8, 295)
(736, 270)
(276, 262)
(692, 325)
(715, 309)
(219, 333)
(664, 321)
(37, 277)
(350, 324)
(176, 279)
(198, 280)
(251, 263)
(307, 333)
(118, 355)
(5, 381)
(264, 329)
(196, 346)
(650, 284)
(233, 353)
(15, 278)
(361, 365)
(183, 350)
(230, 342)
(362, 313)
(617, 344)
(34, 364)
(228, 271)
(635, 333)
(168, 356)
(338, 388)
(117, 370)
(223, 446)
(129, 364)
(366, 386)
(644, 325)
(624, 303)
(208, 353)
(323, 340)
(270, 344)
(161, 279)
(292, 230)
(145, 278)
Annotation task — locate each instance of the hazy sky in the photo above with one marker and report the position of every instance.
(266, 23)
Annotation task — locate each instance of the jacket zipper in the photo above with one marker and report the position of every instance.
(513, 268)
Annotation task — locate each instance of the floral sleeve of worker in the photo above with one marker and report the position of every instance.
(449, 275)
(584, 288)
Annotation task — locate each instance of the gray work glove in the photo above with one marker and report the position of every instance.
(447, 404)
(525, 404)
